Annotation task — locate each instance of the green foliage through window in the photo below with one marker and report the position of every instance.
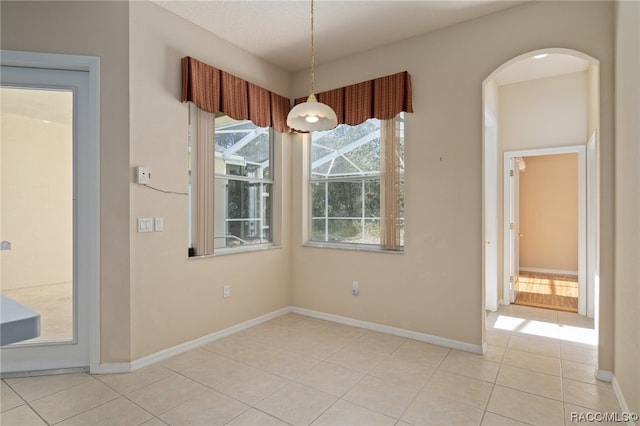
(345, 184)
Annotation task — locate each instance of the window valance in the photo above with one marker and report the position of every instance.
(382, 98)
(214, 90)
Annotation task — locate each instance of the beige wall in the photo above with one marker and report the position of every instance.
(175, 299)
(627, 300)
(97, 29)
(37, 199)
(549, 213)
(152, 295)
(435, 287)
(543, 113)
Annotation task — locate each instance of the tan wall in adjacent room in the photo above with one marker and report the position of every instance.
(549, 213)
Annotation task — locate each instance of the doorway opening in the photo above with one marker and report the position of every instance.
(49, 218)
(542, 105)
(551, 212)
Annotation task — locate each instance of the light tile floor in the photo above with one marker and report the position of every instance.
(297, 370)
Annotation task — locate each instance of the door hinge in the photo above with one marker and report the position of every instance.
(511, 225)
(511, 173)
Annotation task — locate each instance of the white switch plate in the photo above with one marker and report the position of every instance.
(159, 224)
(225, 291)
(145, 224)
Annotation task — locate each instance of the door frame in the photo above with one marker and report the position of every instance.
(490, 209)
(585, 304)
(89, 227)
(511, 215)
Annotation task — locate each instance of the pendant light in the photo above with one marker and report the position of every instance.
(312, 115)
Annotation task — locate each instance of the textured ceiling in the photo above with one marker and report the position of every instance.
(279, 31)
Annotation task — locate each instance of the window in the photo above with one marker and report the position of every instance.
(231, 183)
(243, 183)
(357, 184)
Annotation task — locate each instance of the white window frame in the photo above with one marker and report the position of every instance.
(363, 178)
(202, 191)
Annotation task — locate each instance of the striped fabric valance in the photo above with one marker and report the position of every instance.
(214, 90)
(382, 98)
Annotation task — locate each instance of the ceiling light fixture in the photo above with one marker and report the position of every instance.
(312, 115)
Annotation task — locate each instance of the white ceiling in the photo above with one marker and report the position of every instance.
(279, 31)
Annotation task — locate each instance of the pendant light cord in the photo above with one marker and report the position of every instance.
(313, 62)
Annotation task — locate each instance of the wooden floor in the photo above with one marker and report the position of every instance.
(559, 292)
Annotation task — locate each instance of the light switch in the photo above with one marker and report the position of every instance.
(159, 223)
(145, 224)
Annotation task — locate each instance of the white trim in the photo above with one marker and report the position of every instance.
(490, 173)
(436, 340)
(531, 54)
(618, 391)
(183, 347)
(113, 368)
(604, 375)
(608, 376)
(549, 271)
(91, 64)
(592, 222)
(582, 213)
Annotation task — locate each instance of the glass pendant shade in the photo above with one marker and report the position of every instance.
(311, 116)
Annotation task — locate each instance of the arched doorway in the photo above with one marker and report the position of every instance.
(541, 102)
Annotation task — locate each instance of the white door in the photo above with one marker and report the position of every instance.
(45, 127)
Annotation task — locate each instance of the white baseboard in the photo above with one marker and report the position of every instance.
(436, 340)
(608, 376)
(616, 388)
(110, 368)
(604, 375)
(183, 347)
(548, 271)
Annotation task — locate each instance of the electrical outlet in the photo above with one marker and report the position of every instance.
(355, 288)
(225, 291)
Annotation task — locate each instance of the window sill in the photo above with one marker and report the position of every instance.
(351, 247)
(238, 250)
